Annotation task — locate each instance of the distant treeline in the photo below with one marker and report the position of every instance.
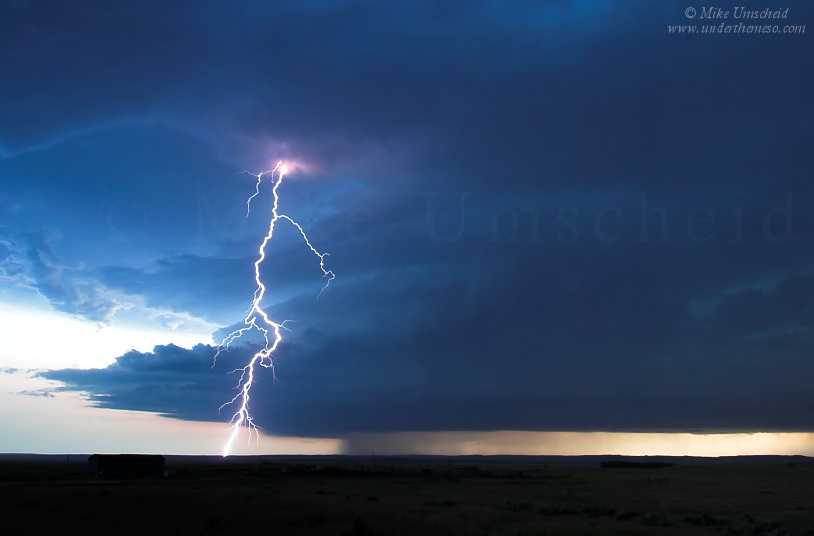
(634, 465)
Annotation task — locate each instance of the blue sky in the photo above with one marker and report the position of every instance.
(543, 217)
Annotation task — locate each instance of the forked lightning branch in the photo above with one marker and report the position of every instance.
(257, 319)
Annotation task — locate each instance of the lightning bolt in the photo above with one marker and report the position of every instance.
(257, 318)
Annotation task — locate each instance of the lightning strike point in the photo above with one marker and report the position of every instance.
(257, 318)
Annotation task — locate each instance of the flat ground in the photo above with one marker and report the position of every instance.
(381, 495)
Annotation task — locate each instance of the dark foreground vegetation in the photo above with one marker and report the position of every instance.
(413, 495)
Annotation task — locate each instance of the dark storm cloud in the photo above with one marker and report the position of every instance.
(185, 283)
(544, 357)
(563, 336)
(204, 284)
(542, 215)
(785, 305)
(170, 380)
(397, 77)
(29, 261)
(542, 95)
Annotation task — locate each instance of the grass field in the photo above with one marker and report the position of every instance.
(346, 495)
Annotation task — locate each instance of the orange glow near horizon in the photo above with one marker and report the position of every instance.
(582, 443)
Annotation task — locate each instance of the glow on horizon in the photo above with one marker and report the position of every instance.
(581, 443)
(65, 423)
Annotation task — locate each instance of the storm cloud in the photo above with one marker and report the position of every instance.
(542, 215)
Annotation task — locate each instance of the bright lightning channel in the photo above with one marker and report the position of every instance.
(257, 318)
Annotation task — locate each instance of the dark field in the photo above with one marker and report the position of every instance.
(412, 495)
